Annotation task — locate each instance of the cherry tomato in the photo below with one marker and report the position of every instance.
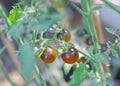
(103, 47)
(81, 33)
(49, 33)
(82, 59)
(71, 56)
(49, 55)
(89, 41)
(64, 35)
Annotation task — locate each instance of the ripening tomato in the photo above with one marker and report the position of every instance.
(89, 41)
(103, 47)
(49, 33)
(82, 59)
(64, 35)
(71, 56)
(49, 55)
(81, 33)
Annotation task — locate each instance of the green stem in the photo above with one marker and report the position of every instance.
(2, 69)
(4, 16)
(38, 77)
(112, 6)
(86, 6)
(19, 41)
(77, 8)
(34, 36)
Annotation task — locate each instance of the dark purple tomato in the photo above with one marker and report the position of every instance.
(89, 41)
(64, 35)
(49, 33)
(81, 33)
(103, 47)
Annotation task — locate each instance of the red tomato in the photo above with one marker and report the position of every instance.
(71, 56)
(48, 56)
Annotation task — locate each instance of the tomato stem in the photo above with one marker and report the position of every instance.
(4, 16)
(110, 5)
(2, 69)
(38, 77)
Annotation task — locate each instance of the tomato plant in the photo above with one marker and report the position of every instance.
(37, 25)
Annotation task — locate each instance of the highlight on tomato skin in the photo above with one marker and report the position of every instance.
(81, 33)
(64, 35)
(89, 41)
(103, 47)
(48, 56)
(71, 56)
(49, 33)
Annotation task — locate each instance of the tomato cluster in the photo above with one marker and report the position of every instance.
(70, 56)
(63, 34)
(49, 55)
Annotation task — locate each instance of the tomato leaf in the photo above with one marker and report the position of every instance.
(67, 68)
(98, 58)
(114, 53)
(99, 83)
(44, 22)
(16, 30)
(104, 55)
(15, 13)
(111, 31)
(27, 61)
(79, 75)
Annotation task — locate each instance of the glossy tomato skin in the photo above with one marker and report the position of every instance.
(64, 35)
(71, 56)
(49, 55)
(81, 33)
(49, 33)
(103, 47)
(89, 41)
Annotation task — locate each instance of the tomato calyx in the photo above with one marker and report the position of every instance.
(82, 60)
